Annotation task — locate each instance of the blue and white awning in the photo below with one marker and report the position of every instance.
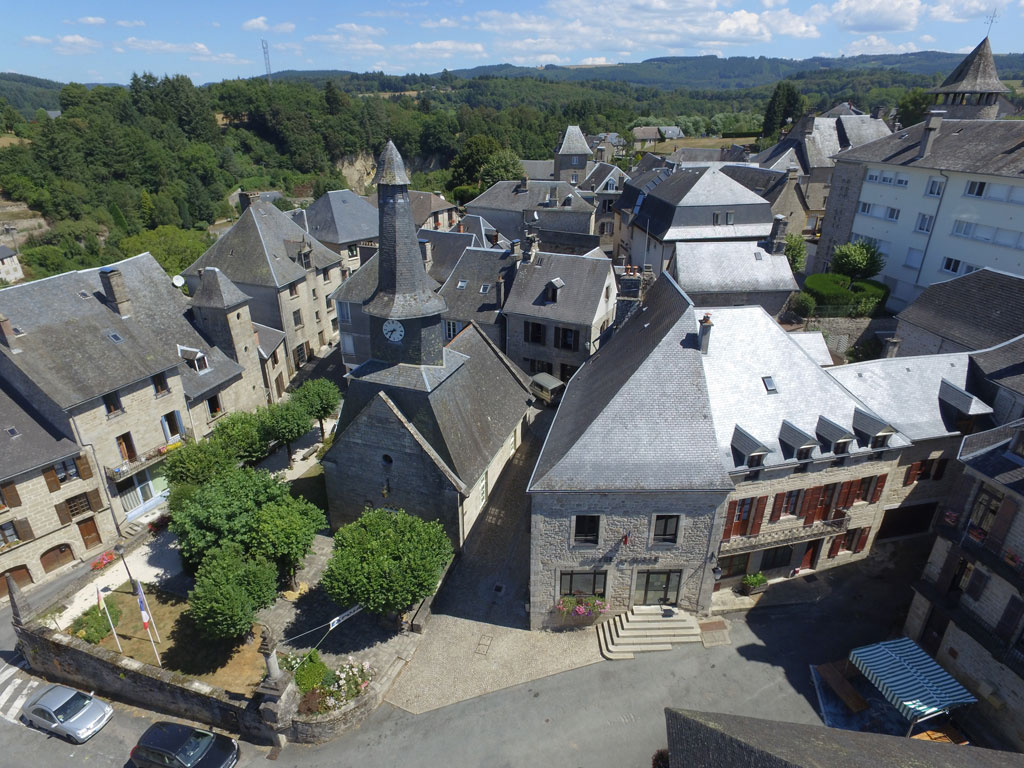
(910, 679)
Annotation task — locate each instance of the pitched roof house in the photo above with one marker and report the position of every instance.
(343, 221)
(514, 207)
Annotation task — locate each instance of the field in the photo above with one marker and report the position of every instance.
(7, 139)
(701, 142)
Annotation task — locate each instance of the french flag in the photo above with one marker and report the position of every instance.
(142, 605)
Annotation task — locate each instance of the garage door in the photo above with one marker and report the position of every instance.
(21, 577)
(55, 557)
(906, 521)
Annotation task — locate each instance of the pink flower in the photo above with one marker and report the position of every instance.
(580, 610)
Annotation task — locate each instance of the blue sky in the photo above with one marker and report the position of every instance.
(108, 40)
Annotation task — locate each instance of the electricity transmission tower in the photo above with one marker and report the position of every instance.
(266, 58)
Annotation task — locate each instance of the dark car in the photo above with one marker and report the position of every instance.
(182, 746)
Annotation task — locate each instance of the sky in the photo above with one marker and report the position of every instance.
(108, 40)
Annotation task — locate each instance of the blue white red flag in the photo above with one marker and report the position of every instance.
(142, 605)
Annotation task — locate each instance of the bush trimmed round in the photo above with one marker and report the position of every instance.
(803, 304)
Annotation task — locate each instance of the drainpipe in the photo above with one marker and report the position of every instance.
(938, 208)
(100, 470)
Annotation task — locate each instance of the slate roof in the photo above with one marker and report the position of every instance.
(598, 176)
(763, 182)
(994, 147)
(360, 284)
(617, 428)
(38, 442)
(813, 141)
(482, 229)
(911, 393)
(217, 291)
(541, 170)
(465, 409)
(1003, 364)
(340, 217)
(446, 248)
(725, 267)
(510, 196)
(842, 108)
(950, 309)
(989, 454)
(261, 249)
(69, 347)
(975, 74)
(671, 131)
(573, 143)
(707, 740)
(813, 343)
(424, 205)
(390, 168)
(478, 267)
(6, 252)
(578, 301)
(268, 339)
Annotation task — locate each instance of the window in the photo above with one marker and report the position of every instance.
(755, 460)
(865, 208)
(538, 366)
(963, 228)
(534, 333)
(975, 189)
(804, 454)
(78, 505)
(951, 265)
(841, 447)
(887, 177)
(8, 535)
(461, 286)
(863, 490)
(769, 385)
(327, 275)
(575, 177)
(451, 329)
(935, 187)
(160, 386)
(880, 441)
(777, 557)
(791, 502)
(293, 290)
(902, 180)
(194, 359)
(892, 214)
(733, 565)
(730, 217)
(586, 529)
(716, 218)
(353, 251)
(344, 312)
(574, 160)
(924, 223)
(915, 258)
(66, 470)
(485, 288)
(983, 512)
(742, 520)
(112, 403)
(316, 316)
(666, 529)
(297, 318)
(213, 405)
(566, 371)
(850, 540)
(274, 358)
(583, 583)
(567, 338)
(872, 175)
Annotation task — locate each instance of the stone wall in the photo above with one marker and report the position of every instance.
(840, 210)
(915, 340)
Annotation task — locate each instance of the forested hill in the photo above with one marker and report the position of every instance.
(27, 94)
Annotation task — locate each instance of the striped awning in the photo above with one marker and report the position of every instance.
(909, 678)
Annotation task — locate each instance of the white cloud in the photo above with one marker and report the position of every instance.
(445, 49)
(346, 44)
(37, 40)
(360, 29)
(284, 26)
(785, 22)
(434, 23)
(773, 3)
(130, 23)
(95, 20)
(598, 60)
(877, 15)
(538, 61)
(161, 46)
(70, 45)
(926, 39)
(260, 23)
(118, 49)
(962, 10)
(876, 44)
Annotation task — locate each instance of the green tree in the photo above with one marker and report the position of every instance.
(386, 561)
(913, 106)
(786, 103)
(283, 532)
(320, 397)
(242, 435)
(198, 463)
(173, 248)
(230, 588)
(857, 261)
(147, 211)
(796, 251)
(503, 165)
(287, 422)
(468, 164)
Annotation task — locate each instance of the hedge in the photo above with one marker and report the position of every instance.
(861, 298)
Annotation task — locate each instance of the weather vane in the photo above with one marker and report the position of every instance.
(991, 19)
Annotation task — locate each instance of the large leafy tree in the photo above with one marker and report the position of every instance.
(283, 531)
(786, 103)
(468, 165)
(242, 435)
(913, 106)
(386, 561)
(173, 248)
(230, 588)
(198, 463)
(503, 165)
(287, 422)
(320, 398)
(858, 261)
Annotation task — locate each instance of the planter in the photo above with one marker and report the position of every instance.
(746, 589)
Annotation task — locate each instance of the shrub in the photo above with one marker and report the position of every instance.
(828, 289)
(660, 759)
(803, 304)
(857, 261)
(312, 673)
(581, 605)
(92, 626)
(796, 252)
(753, 580)
(311, 703)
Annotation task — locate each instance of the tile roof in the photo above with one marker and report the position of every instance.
(730, 267)
(584, 277)
(573, 143)
(950, 309)
(989, 453)
(261, 248)
(1003, 364)
(217, 291)
(975, 74)
(36, 442)
(340, 217)
(994, 147)
(476, 268)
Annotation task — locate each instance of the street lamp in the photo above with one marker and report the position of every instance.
(119, 550)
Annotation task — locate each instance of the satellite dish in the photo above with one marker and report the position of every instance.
(177, 281)
(536, 216)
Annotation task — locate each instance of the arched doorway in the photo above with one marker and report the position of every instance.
(55, 557)
(21, 577)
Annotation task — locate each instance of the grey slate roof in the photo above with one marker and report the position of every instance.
(69, 348)
(541, 170)
(340, 217)
(465, 409)
(1003, 364)
(446, 248)
(727, 267)
(390, 168)
(617, 428)
(510, 196)
(975, 74)
(478, 267)
(360, 284)
(994, 147)
(950, 309)
(573, 143)
(261, 248)
(764, 182)
(578, 301)
(646, 133)
(38, 442)
(905, 391)
(217, 291)
(986, 453)
(813, 141)
(598, 176)
(813, 343)
(707, 740)
(842, 108)
(482, 229)
(268, 339)
(6, 252)
(424, 205)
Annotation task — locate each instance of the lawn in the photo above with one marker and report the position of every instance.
(7, 139)
(235, 667)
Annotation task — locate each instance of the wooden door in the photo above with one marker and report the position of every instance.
(742, 520)
(126, 446)
(811, 553)
(90, 534)
(21, 577)
(55, 557)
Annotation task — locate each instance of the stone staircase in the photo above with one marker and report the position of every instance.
(645, 628)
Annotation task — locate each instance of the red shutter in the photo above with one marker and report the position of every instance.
(834, 549)
(10, 492)
(729, 517)
(1001, 525)
(780, 499)
(50, 475)
(755, 526)
(84, 469)
(95, 500)
(912, 472)
(845, 493)
(812, 497)
(62, 513)
(862, 540)
(805, 506)
(879, 487)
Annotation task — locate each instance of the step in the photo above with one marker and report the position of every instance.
(636, 621)
(653, 610)
(604, 644)
(682, 634)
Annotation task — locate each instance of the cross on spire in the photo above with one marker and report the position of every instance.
(991, 19)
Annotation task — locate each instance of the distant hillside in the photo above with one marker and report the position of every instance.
(27, 94)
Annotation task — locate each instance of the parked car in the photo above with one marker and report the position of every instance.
(182, 746)
(67, 713)
(546, 387)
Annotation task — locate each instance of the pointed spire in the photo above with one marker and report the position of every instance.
(390, 168)
(574, 142)
(975, 74)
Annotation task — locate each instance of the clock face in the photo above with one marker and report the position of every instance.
(393, 330)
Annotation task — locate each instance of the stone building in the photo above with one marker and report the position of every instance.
(997, 374)
(972, 90)
(426, 426)
(572, 161)
(558, 311)
(343, 221)
(601, 188)
(287, 273)
(430, 210)
(967, 609)
(514, 207)
(10, 267)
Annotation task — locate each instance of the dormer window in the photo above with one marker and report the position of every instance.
(194, 359)
(880, 441)
(755, 460)
(574, 160)
(769, 385)
(461, 285)
(841, 447)
(804, 454)
(552, 289)
(485, 288)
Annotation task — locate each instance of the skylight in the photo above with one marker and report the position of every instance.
(13, 431)
(485, 288)
(83, 294)
(115, 337)
(462, 285)
(769, 384)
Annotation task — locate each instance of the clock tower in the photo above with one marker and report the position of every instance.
(404, 311)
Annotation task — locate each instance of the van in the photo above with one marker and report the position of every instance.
(546, 387)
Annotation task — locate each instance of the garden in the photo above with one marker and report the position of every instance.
(847, 290)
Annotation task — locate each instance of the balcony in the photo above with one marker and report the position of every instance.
(147, 459)
(777, 537)
(1004, 562)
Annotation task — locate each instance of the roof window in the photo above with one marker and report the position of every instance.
(12, 431)
(769, 385)
(112, 335)
(462, 285)
(485, 288)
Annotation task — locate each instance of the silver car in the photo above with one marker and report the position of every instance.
(66, 712)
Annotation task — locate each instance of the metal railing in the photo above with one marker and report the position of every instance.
(149, 458)
(782, 536)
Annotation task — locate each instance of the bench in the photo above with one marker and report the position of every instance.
(832, 673)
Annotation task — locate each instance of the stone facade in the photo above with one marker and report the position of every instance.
(837, 223)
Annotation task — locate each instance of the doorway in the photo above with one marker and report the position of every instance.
(933, 632)
(55, 557)
(90, 534)
(811, 554)
(21, 577)
(657, 587)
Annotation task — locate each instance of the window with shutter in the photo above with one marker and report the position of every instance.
(50, 476)
(879, 487)
(729, 516)
(23, 529)
(9, 495)
(1007, 625)
(862, 540)
(833, 550)
(755, 525)
(845, 492)
(976, 586)
(95, 500)
(1001, 525)
(84, 468)
(940, 469)
(912, 472)
(809, 509)
(777, 507)
(63, 513)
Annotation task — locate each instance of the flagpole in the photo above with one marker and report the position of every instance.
(154, 646)
(106, 610)
(151, 619)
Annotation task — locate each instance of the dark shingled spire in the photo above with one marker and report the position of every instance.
(976, 74)
(217, 291)
(404, 290)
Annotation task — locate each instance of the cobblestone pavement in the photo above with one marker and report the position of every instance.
(478, 639)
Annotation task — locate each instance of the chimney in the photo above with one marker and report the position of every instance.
(6, 331)
(516, 246)
(705, 332)
(777, 238)
(427, 252)
(891, 346)
(494, 238)
(115, 291)
(524, 183)
(932, 123)
(792, 172)
(462, 228)
(499, 291)
(245, 199)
